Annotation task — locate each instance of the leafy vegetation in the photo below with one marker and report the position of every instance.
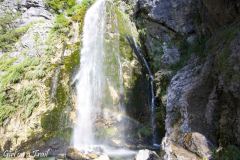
(28, 98)
(77, 13)
(6, 21)
(12, 99)
(10, 37)
(60, 5)
(8, 34)
(15, 69)
(69, 10)
(61, 24)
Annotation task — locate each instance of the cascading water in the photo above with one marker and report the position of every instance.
(152, 95)
(99, 85)
(90, 78)
(100, 74)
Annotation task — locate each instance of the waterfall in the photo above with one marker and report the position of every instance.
(151, 83)
(99, 86)
(90, 78)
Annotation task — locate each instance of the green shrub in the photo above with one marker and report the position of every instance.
(78, 12)
(13, 75)
(6, 61)
(75, 12)
(5, 111)
(28, 98)
(6, 21)
(10, 37)
(36, 72)
(7, 105)
(8, 34)
(14, 71)
(61, 24)
(60, 5)
(11, 100)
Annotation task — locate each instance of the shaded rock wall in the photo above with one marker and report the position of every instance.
(202, 93)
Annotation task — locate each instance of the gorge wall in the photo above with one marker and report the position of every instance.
(192, 46)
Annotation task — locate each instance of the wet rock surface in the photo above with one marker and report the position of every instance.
(74, 154)
(147, 155)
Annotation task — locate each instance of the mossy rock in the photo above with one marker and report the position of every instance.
(52, 120)
(71, 62)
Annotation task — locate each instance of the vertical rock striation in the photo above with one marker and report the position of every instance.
(186, 40)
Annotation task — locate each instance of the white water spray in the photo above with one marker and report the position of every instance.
(90, 79)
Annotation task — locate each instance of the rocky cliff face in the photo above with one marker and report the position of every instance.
(37, 62)
(39, 55)
(192, 46)
(195, 45)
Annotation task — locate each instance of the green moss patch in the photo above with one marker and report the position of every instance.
(72, 61)
(61, 24)
(125, 28)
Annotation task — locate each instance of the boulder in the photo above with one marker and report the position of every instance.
(147, 155)
(75, 154)
(176, 152)
(198, 144)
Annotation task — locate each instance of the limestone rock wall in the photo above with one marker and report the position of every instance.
(190, 45)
